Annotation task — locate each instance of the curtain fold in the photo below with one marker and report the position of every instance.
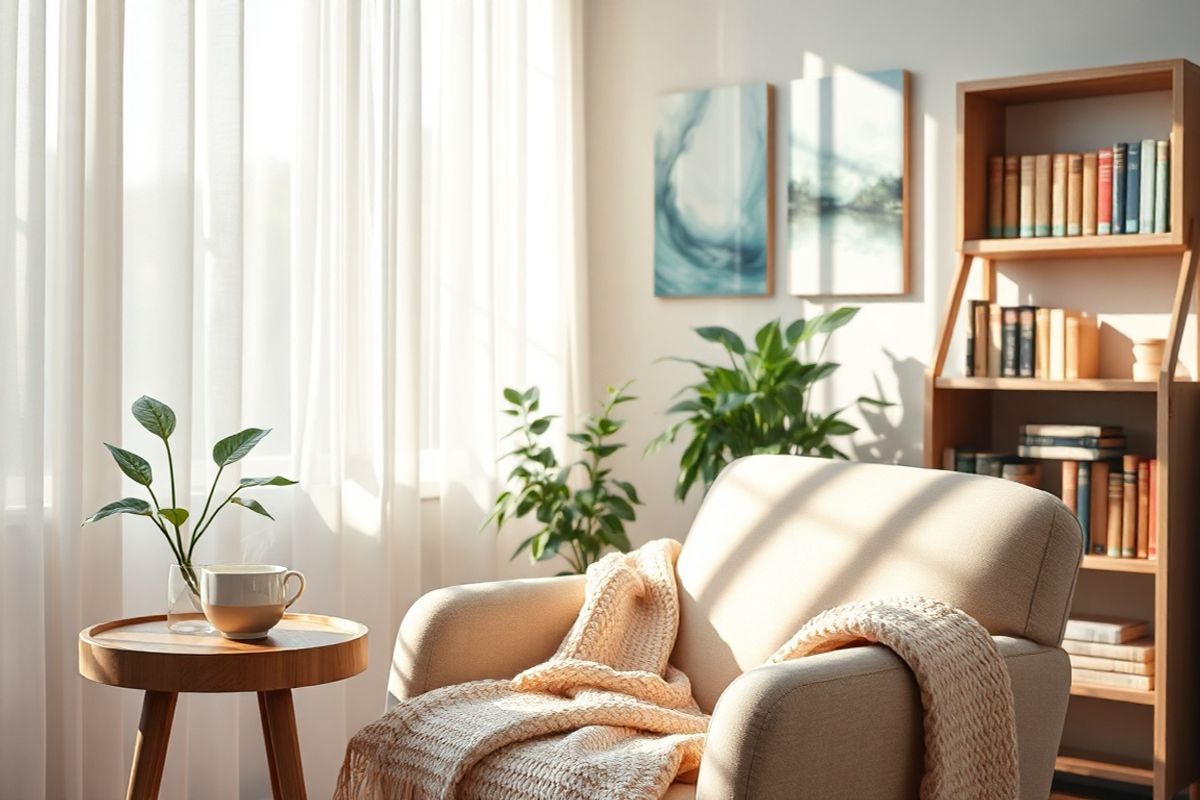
(351, 222)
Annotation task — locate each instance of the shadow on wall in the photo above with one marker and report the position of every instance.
(898, 442)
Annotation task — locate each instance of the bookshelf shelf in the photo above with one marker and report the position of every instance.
(1144, 566)
(981, 412)
(1036, 385)
(1091, 765)
(1122, 695)
(1145, 244)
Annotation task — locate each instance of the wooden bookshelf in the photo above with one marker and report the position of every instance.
(963, 411)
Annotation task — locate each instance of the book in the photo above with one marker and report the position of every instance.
(1118, 187)
(1070, 485)
(1083, 502)
(1028, 190)
(995, 339)
(1012, 180)
(1089, 195)
(1058, 343)
(1098, 533)
(964, 461)
(1143, 509)
(948, 455)
(1074, 194)
(1058, 195)
(995, 218)
(1116, 496)
(1162, 186)
(1104, 191)
(1073, 441)
(1055, 429)
(1068, 453)
(1112, 665)
(1028, 473)
(1129, 468)
(1098, 678)
(1152, 538)
(1110, 630)
(1082, 346)
(979, 311)
(1133, 185)
(1041, 329)
(989, 464)
(1026, 341)
(969, 366)
(1009, 344)
(1146, 192)
(1139, 650)
(1041, 195)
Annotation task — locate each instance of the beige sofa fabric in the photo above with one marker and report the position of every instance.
(780, 539)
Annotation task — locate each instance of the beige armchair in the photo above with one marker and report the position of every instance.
(778, 539)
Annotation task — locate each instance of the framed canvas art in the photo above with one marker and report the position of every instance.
(713, 220)
(848, 184)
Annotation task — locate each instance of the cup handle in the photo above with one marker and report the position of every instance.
(290, 574)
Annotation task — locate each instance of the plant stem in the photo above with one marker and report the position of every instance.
(198, 524)
(196, 536)
(174, 501)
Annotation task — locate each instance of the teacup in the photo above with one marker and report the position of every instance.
(244, 601)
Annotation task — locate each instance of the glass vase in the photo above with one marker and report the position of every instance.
(184, 613)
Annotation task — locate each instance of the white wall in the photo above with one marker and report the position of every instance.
(637, 49)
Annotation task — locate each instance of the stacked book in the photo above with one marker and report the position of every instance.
(1031, 342)
(1114, 494)
(998, 465)
(1108, 651)
(1125, 188)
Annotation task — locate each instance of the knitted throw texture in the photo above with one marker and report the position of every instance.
(607, 718)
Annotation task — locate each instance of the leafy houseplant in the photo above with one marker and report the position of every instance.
(760, 402)
(158, 418)
(577, 524)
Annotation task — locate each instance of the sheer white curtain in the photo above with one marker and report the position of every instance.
(352, 222)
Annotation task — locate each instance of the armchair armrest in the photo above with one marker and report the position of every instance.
(482, 630)
(848, 724)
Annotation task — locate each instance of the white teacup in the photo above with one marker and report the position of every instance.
(244, 601)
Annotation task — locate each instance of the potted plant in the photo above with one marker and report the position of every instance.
(183, 592)
(760, 402)
(577, 524)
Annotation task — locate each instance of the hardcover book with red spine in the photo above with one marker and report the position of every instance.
(1104, 167)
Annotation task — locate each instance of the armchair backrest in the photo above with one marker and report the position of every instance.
(779, 539)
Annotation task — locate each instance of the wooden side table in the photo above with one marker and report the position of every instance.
(141, 653)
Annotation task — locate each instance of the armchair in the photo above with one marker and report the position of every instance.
(777, 540)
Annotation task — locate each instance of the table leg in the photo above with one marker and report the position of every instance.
(150, 749)
(266, 728)
(283, 744)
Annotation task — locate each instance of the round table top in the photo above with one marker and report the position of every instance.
(302, 650)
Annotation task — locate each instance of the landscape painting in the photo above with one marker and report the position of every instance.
(712, 193)
(848, 184)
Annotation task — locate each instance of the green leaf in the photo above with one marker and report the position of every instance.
(835, 319)
(871, 401)
(253, 505)
(274, 480)
(722, 336)
(133, 465)
(540, 426)
(767, 337)
(155, 416)
(795, 331)
(234, 448)
(512, 396)
(630, 492)
(129, 505)
(175, 516)
(621, 508)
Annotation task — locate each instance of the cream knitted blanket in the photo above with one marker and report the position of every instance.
(607, 718)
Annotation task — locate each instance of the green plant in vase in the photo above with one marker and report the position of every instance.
(577, 524)
(172, 521)
(761, 402)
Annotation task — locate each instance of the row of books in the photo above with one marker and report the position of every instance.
(1031, 342)
(1115, 503)
(1120, 189)
(1110, 651)
(998, 465)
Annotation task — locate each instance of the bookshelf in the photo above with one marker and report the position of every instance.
(1130, 736)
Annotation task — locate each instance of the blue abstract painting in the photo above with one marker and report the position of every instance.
(712, 201)
(847, 184)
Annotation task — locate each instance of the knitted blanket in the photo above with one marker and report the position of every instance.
(607, 718)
